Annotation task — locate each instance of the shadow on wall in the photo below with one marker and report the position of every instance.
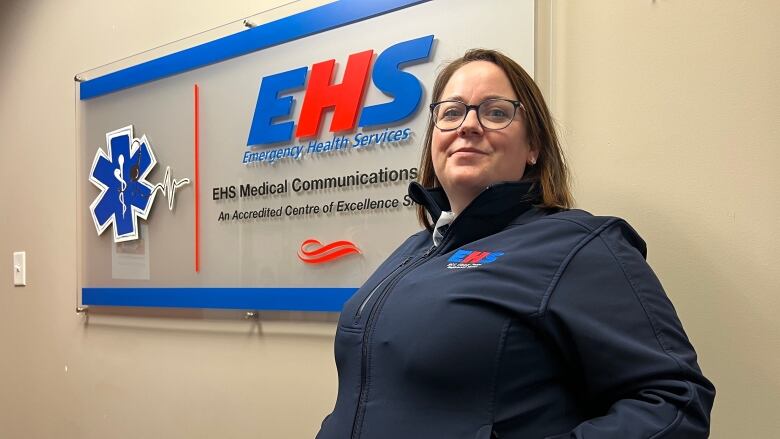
(222, 322)
(11, 12)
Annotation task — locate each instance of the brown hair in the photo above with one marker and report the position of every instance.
(550, 169)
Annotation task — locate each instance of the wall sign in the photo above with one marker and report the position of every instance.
(282, 153)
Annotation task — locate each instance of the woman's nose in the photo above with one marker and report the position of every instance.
(471, 123)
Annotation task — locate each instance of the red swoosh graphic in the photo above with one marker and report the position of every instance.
(325, 253)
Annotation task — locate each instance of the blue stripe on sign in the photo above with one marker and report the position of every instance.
(320, 19)
(271, 299)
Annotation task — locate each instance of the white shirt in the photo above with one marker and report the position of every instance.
(445, 219)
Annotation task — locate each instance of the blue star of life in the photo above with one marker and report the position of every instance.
(125, 194)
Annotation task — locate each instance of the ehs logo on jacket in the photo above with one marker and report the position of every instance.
(471, 258)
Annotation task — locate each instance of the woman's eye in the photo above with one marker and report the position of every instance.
(496, 113)
(451, 113)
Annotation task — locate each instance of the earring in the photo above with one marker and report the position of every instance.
(532, 161)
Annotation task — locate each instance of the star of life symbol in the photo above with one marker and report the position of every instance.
(125, 194)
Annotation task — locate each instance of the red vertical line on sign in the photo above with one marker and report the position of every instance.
(197, 179)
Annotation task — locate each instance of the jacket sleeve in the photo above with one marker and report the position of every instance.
(624, 346)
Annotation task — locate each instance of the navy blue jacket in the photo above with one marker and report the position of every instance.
(522, 323)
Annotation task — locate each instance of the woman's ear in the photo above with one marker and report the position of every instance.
(533, 155)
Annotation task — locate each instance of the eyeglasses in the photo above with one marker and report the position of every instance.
(492, 114)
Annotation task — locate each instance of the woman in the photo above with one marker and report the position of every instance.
(513, 316)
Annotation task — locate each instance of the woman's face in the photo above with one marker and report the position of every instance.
(469, 159)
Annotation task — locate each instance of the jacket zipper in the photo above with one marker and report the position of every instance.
(363, 304)
(357, 424)
(392, 281)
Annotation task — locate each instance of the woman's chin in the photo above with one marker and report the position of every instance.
(465, 184)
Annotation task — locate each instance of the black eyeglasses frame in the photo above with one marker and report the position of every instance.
(516, 104)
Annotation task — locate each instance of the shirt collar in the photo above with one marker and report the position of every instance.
(492, 210)
(442, 224)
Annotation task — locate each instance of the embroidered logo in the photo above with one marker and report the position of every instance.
(471, 258)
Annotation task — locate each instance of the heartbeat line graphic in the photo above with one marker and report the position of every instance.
(168, 186)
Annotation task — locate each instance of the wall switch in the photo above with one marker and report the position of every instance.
(20, 269)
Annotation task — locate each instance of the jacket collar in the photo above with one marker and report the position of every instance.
(491, 211)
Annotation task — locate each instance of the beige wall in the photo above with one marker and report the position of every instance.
(669, 110)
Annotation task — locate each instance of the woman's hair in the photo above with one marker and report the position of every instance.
(550, 169)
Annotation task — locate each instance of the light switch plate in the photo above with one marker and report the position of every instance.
(20, 269)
